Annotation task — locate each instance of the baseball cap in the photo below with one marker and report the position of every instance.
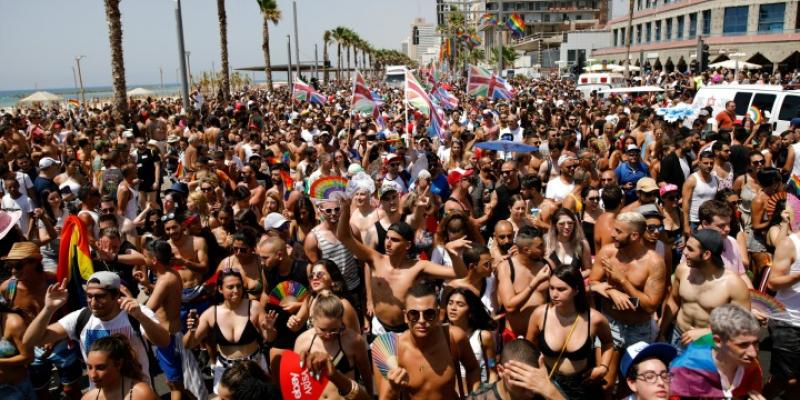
(424, 174)
(795, 122)
(389, 186)
(106, 279)
(274, 220)
(631, 147)
(47, 162)
(711, 240)
(457, 174)
(646, 185)
(667, 188)
(641, 350)
(179, 187)
(390, 157)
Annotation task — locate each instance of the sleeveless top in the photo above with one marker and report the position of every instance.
(703, 191)
(796, 165)
(339, 254)
(747, 196)
(380, 247)
(340, 360)
(724, 183)
(790, 297)
(132, 208)
(96, 218)
(583, 353)
(477, 349)
(249, 335)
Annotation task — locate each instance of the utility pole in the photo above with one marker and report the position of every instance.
(182, 57)
(500, 37)
(296, 38)
(161, 74)
(80, 78)
(189, 68)
(316, 63)
(75, 78)
(289, 67)
(628, 40)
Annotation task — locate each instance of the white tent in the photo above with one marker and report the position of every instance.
(141, 92)
(41, 97)
(732, 64)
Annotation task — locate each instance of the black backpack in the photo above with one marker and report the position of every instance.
(86, 313)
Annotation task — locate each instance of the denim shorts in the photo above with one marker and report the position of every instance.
(65, 356)
(21, 391)
(625, 335)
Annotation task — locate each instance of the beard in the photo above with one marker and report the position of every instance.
(505, 247)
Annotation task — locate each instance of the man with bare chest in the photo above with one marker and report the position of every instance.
(364, 215)
(190, 259)
(612, 197)
(522, 281)
(428, 354)
(394, 273)
(630, 279)
(701, 284)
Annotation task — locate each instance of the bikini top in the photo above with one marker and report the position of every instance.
(583, 353)
(340, 361)
(249, 335)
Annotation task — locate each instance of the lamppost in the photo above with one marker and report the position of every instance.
(80, 77)
(181, 57)
(189, 68)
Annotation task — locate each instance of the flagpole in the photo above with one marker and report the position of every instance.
(405, 104)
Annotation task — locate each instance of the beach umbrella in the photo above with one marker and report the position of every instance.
(732, 64)
(41, 97)
(141, 92)
(506, 146)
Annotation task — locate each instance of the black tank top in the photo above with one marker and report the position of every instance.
(381, 245)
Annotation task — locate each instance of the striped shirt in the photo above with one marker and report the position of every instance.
(341, 256)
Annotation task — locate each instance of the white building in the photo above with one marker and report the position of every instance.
(424, 37)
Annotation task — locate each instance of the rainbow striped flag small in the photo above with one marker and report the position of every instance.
(487, 19)
(516, 24)
(73, 103)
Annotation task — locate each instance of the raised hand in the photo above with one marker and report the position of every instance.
(398, 378)
(268, 323)
(131, 306)
(57, 295)
(458, 244)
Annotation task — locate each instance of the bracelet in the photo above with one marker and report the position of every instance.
(354, 388)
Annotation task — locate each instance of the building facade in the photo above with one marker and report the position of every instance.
(665, 33)
(424, 40)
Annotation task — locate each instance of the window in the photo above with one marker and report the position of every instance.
(639, 33)
(735, 21)
(770, 17)
(658, 31)
(648, 29)
(763, 101)
(615, 37)
(706, 22)
(679, 31)
(668, 34)
(790, 108)
(692, 25)
(742, 100)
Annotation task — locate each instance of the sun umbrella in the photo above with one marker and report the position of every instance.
(141, 92)
(41, 97)
(732, 64)
(506, 146)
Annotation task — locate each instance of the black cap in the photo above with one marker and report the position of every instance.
(712, 241)
(403, 229)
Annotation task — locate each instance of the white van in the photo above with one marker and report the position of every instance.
(780, 105)
(396, 76)
(597, 81)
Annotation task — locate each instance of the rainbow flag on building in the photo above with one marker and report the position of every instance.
(516, 24)
(303, 92)
(75, 260)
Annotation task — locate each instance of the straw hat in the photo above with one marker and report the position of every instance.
(23, 251)
(8, 219)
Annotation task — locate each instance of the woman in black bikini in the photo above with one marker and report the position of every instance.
(328, 334)
(114, 371)
(245, 260)
(565, 329)
(235, 317)
(565, 243)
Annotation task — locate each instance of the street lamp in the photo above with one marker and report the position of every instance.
(181, 56)
(736, 56)
(80, 78)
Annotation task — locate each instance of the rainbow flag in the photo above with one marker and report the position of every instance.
(486, 20)
(516, 24)
(303, 92)
(75, 260)
(694, 374)
(73, 103)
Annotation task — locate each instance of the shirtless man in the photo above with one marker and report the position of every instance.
(612, 197)
(503, 240)
(393, 273)
(258, 193)
(522, 281)
(387, 214)
(164, 295)
(25, 291)
(427, 352)
(190, 259)
(364, 215)
(630, 278)
(701, 284)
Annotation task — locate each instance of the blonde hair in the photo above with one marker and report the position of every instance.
(274, 196)
(327, 304)
(202, 203)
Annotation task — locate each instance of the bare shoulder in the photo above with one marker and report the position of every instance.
(597, 318)
(199, 241)
(143, 391)
(457, 333)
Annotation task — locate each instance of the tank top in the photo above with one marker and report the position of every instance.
(132, 208)
(380, 247)
(724, 183)
(703, 191)
(339, 254)
(96, 218)
(790, 297)
(796, 165)
(747, 196)
(477, 349)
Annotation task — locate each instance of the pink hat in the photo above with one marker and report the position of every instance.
(667, 188)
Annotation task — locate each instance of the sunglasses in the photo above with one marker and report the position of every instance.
(428, 315)
(109, 210)
(655, 228)
(168, 217)
(594, 198)
(240, 250)
(757, 162)
(317, 275)
(330, 210)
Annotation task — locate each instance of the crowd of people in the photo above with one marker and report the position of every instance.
(619, 259)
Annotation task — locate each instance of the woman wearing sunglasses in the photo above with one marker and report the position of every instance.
(565, 243)
(465, 310)
(324, 276)
(330, 335)
(237, 325)
(245, 260)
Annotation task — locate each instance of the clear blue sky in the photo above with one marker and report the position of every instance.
(39, 39)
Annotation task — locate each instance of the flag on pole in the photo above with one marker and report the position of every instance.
(516, 24)
(303, 92)
(416, 96)
(482, 82)
(74, 260)
(487, 20)
(362, 100)
(447, 100)
(73, 103)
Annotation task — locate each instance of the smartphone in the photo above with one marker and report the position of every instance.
(634, 301)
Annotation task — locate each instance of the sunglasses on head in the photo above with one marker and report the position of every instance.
(168, 217)
(428, 314)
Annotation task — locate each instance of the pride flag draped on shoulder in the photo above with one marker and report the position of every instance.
(302, 91)
(482, 82)
(74, 260)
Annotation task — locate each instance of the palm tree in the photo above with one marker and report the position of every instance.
(326, 39)
(338, 34)
(113, 18)
(223, 48)
(271, 13)
(349, 38)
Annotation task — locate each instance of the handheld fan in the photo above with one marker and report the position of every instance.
(765, 303)
(324, 188)
(793, 204)
(287, 289)
(773, 201)
(384, 352)
(754, 113)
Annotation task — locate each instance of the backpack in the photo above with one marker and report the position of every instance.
(86, 313)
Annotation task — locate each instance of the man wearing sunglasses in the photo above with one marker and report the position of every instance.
(392, 274)
(429, 354)
(190, 259)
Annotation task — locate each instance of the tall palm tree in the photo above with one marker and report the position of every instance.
(338, 34)
(326, 39)
(349, 39)
(271, 13)
(223, 49)
(113, 18)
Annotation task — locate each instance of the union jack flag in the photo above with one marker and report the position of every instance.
(302, 91)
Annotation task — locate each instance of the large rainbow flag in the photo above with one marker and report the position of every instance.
(694, 374)
(486, 20)
(516, 24)
(75, 260)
